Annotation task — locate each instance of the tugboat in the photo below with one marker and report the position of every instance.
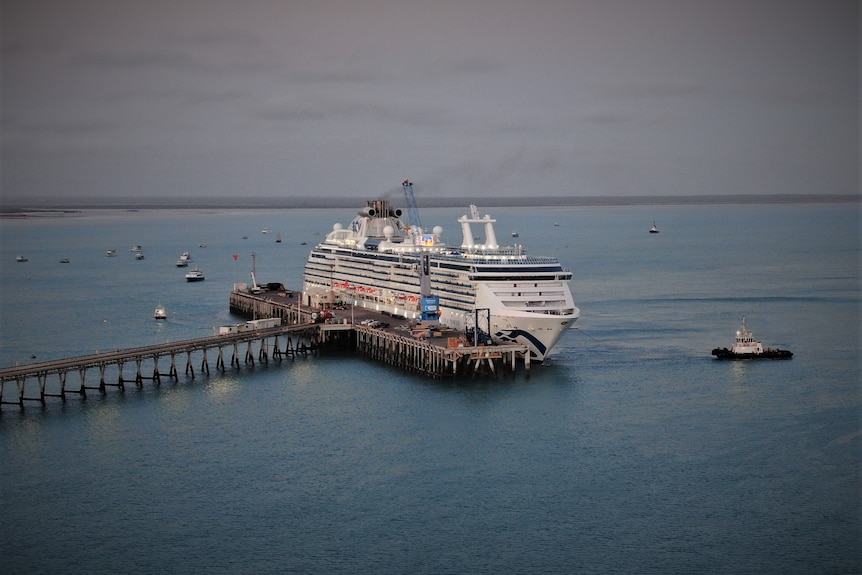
(746, 347)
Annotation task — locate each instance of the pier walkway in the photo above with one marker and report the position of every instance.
(275, 343)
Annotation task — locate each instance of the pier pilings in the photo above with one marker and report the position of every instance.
(37, 381)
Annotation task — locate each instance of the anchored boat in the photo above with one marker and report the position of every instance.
(195, 275)
(498, 293)
(746, 347)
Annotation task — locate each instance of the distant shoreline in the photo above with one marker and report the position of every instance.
(20, 207)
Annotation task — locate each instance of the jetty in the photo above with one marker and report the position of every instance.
(38, 381)
(281, 328)
(425, 348)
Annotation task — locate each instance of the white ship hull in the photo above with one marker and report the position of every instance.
(375, 263)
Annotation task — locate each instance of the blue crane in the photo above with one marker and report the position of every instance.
(413, 221)
(430, 304)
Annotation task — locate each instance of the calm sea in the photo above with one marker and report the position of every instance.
(630, 451)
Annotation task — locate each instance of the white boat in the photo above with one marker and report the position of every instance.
(160, 313)
(195, 275)
(139, 256)
(184, 260)
(135, 248)
(265, 231)
(653, 229)
(111, 253)
(378, 262)
(515, 234)
(20, 259)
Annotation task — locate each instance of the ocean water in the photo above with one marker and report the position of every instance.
(629, 451)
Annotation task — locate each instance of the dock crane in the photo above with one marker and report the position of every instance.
(414, 224)
(430, 304)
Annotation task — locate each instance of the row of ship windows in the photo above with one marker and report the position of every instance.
(455, 292)
(452, 280)
(409, 276)
(493, 267)
(462, 300)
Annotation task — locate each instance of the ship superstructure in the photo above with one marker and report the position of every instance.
(380, 262)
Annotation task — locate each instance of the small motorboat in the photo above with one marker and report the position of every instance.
(515, 234)
(195, 275)
(111, 253)
(135, 248)
(21, 259)
(64, 261)
(139, 256)
(653, 229)
(746, 347)
(160, 313)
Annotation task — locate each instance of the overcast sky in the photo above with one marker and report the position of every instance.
(464, 97)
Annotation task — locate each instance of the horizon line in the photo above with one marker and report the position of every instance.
(53, 203)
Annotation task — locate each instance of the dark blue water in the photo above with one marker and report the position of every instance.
(629, 451)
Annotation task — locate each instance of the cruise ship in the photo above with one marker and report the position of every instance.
(496, 293)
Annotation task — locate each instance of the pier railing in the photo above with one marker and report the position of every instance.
(244, 347)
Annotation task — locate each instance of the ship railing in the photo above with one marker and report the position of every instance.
(494, 256)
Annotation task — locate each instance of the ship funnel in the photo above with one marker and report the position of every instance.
(468, 240)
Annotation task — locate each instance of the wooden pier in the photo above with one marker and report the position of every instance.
(299, 334)
(435, 360)
(38, 381)
(436, 357)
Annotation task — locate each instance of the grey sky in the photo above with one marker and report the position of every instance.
(476, 97)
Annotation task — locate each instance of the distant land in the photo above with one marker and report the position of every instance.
(20, 206)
